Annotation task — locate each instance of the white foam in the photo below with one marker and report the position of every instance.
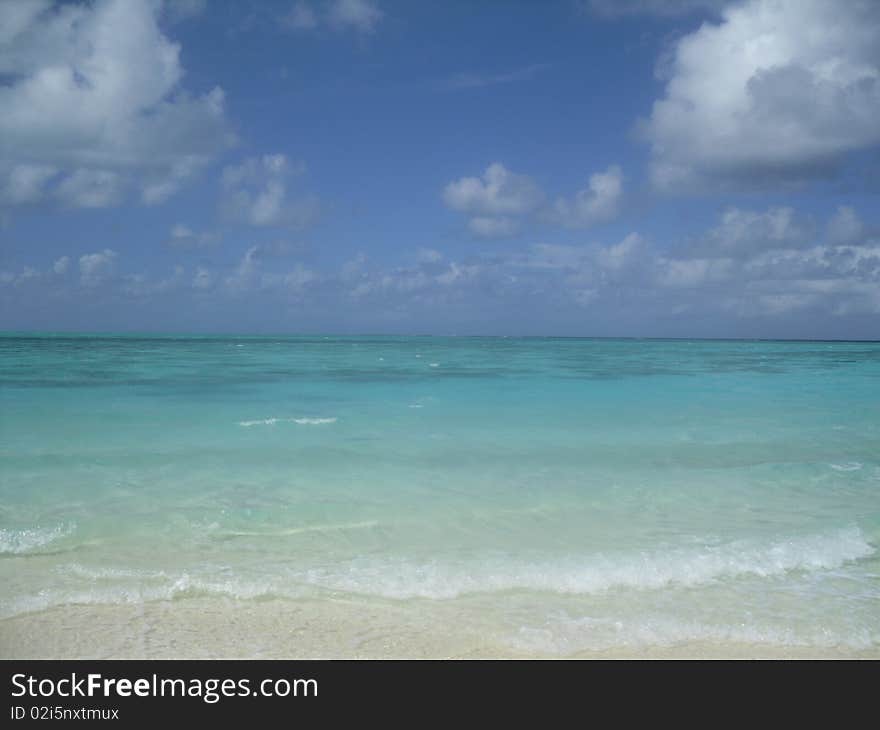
(563, 635)
(146, 586)
(403, 579)
(262, 422)
(30, 540)
(335, 527)
(300, 421)
(434, 364)
(109, 572)
(848, 466)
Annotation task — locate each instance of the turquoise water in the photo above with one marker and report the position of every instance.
(585, 494)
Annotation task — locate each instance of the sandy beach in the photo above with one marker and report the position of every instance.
(199, 629)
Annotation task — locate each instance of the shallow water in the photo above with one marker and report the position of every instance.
(566, 495)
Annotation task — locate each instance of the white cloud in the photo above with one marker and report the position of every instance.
(845, 226)
(298, 278)
(87, 188)
(692, 272)
(26, 184)
(256, 193)
(203, 279)
(599, 201)
(250, 276)
(93, 95)
(621, 254)
(61, 265)
(301, 17)
(457, 273)
(245, 274)
(141, 285)
(360, 15)
(751, 266)
(182, 236)
(498, 192)
(28, 275)
(500, 200)
(180, 10)
(778, 91)
(96, 267)
(428, 256)
(747, 232)
(158, 188)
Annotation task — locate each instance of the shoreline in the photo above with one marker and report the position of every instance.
(200, 628)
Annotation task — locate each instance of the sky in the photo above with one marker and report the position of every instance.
(641, 168)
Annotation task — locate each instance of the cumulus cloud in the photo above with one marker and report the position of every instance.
(31, 275)
(741, 232)
(723, 280)
(493, 200)
(93, 106)
(500, 200)
(301, 17)
(142, 286)
(61, 265)
(752, 264)
(497, 192)
(775, 262)
(25, 183)
(95, 268)
(845, 226)
(91, 189)
(621, 255)
(298, 278)
(202, 279)
(428, 256)
(256, 193)
(777, 91)
(182, 236)
(488, 227)
(691, 273)
(599, 201)
(251, 275)
(361, 16)
(179, 10)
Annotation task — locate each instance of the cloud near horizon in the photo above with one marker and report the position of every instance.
(801, 267)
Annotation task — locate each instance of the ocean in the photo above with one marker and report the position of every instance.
(334, 496)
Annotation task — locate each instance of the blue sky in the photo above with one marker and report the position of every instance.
(643, 168)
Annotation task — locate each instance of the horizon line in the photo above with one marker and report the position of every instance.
(240, 335)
